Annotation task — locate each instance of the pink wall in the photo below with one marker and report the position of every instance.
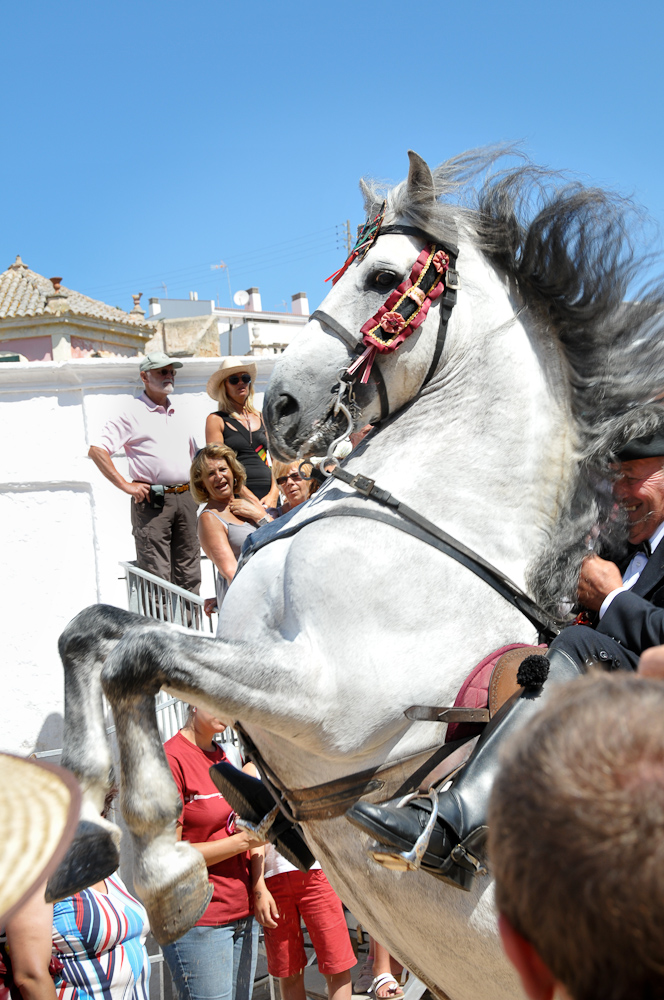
(33, 348)
(81, 348)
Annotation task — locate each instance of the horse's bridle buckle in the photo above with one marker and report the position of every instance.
(362, 484)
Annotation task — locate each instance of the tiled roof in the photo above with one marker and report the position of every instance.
(25, 293)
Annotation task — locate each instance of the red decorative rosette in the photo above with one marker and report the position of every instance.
(392, 322)
(441, 261)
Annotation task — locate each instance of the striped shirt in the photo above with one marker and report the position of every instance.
(100, 940)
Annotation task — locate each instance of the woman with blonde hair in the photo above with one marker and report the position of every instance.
(216, 479)
(239, 424)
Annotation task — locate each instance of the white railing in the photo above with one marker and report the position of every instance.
(153, 597)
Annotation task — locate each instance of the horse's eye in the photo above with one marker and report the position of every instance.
(383, 279)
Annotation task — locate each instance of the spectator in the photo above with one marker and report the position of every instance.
(92, 944)
(576, 845)
(159, 447)
(216, 479)
(294, 488)
(217, 957)
(99, 939)
(238, 424)
(306, 895)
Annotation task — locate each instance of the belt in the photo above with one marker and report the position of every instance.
(176, 489)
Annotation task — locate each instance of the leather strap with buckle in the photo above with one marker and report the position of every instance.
(182, 488)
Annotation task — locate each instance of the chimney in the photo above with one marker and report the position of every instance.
(155, 307)
(137, 311)
(193, 296)
(254, 303)
(300, 304)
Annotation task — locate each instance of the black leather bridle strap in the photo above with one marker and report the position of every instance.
(431, 533)
(355, 344)
(350, 340)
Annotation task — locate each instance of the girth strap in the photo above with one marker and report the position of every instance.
(333, 798)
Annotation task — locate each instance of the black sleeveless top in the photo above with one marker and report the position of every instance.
(251, 450)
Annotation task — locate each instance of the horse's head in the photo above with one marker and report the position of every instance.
(390, 273)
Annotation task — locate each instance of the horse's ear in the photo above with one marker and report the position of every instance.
(420, 179)
(367, 194)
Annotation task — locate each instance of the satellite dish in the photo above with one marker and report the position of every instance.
(241, 298)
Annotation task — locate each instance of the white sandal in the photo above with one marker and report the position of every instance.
(395, 991)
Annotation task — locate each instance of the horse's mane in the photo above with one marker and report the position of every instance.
(573, 251)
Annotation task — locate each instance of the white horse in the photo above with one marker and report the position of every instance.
(331, 632)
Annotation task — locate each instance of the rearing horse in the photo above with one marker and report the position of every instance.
(489, 426)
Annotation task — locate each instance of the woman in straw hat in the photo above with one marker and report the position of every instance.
(238, 424)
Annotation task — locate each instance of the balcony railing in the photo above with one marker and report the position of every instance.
(153, 597)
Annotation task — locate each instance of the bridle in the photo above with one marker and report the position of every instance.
(433, 278)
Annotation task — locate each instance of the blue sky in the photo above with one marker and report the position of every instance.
(144, 142)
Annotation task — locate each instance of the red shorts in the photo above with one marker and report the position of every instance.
(308, 895)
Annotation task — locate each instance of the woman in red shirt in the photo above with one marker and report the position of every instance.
(216, 959)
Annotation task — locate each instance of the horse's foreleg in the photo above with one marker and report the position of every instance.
(170, 877)
(83, 647)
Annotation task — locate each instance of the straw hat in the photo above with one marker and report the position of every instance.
(39, 807)
(229, 366)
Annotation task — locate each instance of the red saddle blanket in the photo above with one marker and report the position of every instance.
(474, 692)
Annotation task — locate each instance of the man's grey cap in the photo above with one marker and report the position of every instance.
(648, 446)
(158, 360)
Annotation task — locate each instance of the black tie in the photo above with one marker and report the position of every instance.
(641, 547)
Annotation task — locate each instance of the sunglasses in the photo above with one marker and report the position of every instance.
(236, 379)
(295, 476)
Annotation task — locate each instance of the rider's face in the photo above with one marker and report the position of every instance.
(639, 490)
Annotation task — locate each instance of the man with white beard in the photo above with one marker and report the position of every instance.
(159, 447)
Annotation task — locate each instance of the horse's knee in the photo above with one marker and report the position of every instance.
(133, 667)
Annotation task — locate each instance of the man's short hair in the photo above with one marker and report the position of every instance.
(577, 836)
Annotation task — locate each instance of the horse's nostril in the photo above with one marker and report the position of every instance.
(286, 405)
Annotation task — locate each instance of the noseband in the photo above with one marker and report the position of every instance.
(433, 277)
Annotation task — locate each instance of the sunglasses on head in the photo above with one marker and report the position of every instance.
(236, 379)
(295, 476)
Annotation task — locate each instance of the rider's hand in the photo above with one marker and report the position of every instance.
(598, 578)
(139, 491)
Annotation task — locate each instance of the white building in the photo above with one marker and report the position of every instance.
(64, 526)
(199, 327)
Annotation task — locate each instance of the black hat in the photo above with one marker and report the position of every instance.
(648, 446)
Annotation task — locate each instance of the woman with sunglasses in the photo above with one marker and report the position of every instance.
(238, 424)
(294, 488)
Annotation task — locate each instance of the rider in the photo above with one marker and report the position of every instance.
(630, 618)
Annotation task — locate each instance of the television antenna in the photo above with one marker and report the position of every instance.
(221, 266)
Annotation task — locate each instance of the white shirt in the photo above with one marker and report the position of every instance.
(157, 442)
(634, 570)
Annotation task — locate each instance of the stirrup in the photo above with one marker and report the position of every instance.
(258, 831)
(410, 861)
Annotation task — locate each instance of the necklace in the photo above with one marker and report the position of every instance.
(248, 422)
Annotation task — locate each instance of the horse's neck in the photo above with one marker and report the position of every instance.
(488, 452)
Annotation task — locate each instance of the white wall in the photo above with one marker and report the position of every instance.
(64, 527)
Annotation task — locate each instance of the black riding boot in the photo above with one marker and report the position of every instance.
(461, 826)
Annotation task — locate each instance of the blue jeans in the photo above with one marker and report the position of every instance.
(215, 963)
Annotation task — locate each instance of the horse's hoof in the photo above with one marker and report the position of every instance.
(173, 909)
(93, 855)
